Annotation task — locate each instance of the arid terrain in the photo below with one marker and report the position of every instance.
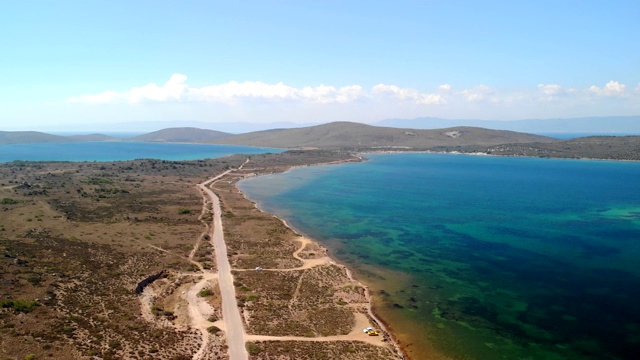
(591, 147)
(116, 261)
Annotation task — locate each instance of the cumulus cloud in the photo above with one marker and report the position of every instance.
(612, 88)
(408, 94)
(248, 89)
(480, 93)
(551, 92)
(176, 89)
(382, 100)
(172, 90)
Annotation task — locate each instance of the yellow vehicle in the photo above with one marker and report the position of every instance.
(371, 331)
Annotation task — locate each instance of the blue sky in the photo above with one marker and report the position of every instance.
(84, 64)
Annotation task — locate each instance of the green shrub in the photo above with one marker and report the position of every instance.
(8, 201)
(253, 348)
(23, 306)
(205, 293)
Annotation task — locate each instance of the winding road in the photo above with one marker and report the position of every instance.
(230, 313)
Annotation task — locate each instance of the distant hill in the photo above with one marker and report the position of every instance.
(30, 137)
(34, 137)
(594, 125)
(356, 135)
(182, 134)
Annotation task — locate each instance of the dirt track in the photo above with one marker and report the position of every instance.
(230, 312)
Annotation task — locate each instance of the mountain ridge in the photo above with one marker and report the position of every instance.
(357, 135)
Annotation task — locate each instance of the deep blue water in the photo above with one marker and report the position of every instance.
(119, 151)
(494, 257)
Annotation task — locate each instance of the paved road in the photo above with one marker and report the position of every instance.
(230, 313)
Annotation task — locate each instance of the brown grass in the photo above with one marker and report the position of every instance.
(308, 350)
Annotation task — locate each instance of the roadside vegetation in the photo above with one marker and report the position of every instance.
(77, 238)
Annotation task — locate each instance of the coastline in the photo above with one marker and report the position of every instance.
(397, 346)
(370, 308)
(392, 152)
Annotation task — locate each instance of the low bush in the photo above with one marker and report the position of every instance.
(253, 348)
(23, 306)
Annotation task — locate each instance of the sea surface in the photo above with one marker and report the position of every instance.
(120, 151)
(479, 257)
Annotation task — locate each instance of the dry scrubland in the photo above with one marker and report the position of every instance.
(592, 147)
(77, 238)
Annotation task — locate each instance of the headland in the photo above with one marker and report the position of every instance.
(116, 260)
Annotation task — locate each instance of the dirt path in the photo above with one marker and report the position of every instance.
(200, 311)
(306, 263)
(230, 313)
(203, 216)
(356, 334)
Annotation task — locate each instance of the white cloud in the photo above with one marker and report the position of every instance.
(247, 89)
(172, 90)
(252, 100)
(408, 94)
(480, 93)
(552, 92)
(549, 89)
(176, 89)
(611, 88)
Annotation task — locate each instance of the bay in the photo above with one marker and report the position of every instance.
(120, 151)
(474, 257)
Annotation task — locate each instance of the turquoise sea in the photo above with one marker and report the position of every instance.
(120, 151)
(481, 257)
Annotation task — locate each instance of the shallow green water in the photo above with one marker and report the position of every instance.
(492, 257)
